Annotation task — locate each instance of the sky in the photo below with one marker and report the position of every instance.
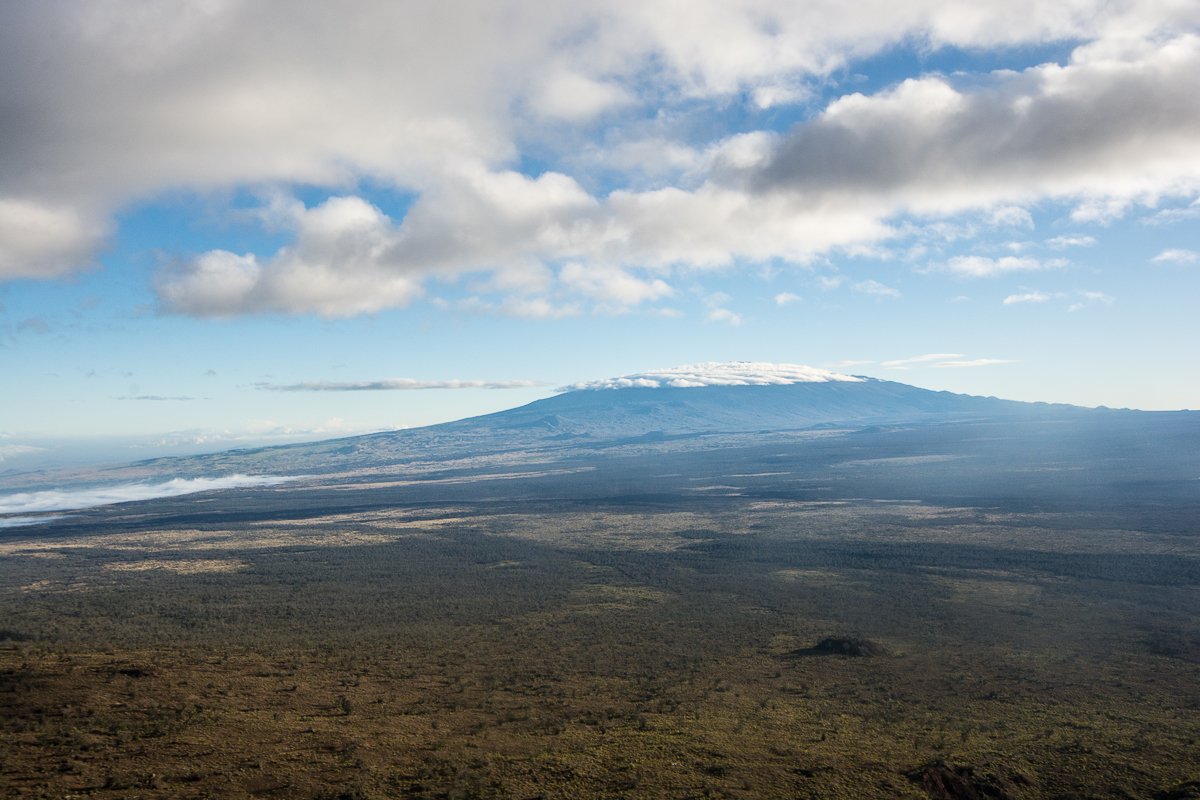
(231, 222)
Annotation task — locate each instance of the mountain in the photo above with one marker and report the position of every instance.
(753, 430)
(698, 401)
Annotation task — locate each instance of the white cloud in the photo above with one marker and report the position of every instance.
(875, 288)
(571, 96)
(1063, 242)
(730, 373)
(786, 298)
(613, 288)
(943, 361)
(38, 240)
(972, 362)
(920, 361)
(1087, 298)
(70, 499)
(119, 101)
(1176, 256)
(984, 267)
(393, 384)
(1012, 216)
(8, 451)
(724, 315)
(1027, 297)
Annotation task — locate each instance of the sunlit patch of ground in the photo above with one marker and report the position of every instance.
(181, 566)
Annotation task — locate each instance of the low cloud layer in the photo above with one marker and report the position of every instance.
(75, 499)
(733, 373)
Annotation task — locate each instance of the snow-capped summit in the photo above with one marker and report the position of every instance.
(719, 373)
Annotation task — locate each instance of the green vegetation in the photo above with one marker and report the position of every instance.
(594, 652)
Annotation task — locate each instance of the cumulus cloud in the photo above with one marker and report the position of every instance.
(117, 101)
(73, 499)
(786, 298)
(1117, 123)
(45, 240)
(392, 385)
(729, 373)
(1177, 256)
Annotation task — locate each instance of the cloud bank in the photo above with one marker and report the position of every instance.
(114, 102)
(74, 499)
(732, 373)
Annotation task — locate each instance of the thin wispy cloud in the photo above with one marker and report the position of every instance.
(1027, 297)
(1063, 242)
(392, 385)
(985, 267)
(923, 360)
(157, 397)
(1177, 255)
(972, 362)
(875, 288)
(943, 361)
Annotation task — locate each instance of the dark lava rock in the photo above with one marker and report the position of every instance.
(843, 646)
(1188, 790)
(943, 781)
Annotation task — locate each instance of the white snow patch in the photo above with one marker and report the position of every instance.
(729, 373)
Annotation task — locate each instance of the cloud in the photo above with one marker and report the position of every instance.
(392, 385)
(613, 288)
(1117, 123)
(1012, 216)
(875, 288)
(731, 373)
(1087, 298)
(786, 298)
(724, 315)
(45, 240)
(1063, 242)
(973, 362)
(117, 102)
(919, 361)
(984, 267)
(1027, 297)
(944, 361)
(1177, 256)
(156, 397)
(8, 451)
(72, 499)
(19, 522)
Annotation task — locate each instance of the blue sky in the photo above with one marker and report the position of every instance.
(457, 208)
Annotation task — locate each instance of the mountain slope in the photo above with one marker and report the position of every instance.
(606, 417)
